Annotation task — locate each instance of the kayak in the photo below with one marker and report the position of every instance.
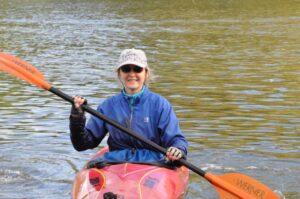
(130, 181)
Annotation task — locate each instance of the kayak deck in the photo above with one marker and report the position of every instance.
(132, 181)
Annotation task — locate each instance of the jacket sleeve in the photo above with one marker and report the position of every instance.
(83, 136)
(169, 129)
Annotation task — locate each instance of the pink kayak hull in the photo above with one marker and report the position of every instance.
(130, 181)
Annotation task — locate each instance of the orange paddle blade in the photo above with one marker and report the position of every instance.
(23, 64)
(22, 70)
(239, 186)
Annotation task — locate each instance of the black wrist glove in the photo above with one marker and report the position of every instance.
(77, 113)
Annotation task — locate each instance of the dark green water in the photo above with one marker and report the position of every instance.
(231, 69)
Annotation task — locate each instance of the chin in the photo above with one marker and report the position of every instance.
(133, 87)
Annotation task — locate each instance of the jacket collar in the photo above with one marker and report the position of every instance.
(137, 97)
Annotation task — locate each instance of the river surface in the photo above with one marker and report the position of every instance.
(231, 69)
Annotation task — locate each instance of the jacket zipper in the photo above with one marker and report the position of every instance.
(131, 115)
(130, 124)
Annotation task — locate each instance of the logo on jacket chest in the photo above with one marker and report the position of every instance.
(128, 122)
(146, 119)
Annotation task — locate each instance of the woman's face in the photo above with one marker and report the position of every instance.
(132, 77)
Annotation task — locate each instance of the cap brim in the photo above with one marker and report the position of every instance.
(133, 63)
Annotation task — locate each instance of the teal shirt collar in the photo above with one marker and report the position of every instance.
(133, 98)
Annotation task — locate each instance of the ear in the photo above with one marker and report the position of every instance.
(147, 73)
(118, 74)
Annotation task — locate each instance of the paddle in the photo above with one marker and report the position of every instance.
(228, 186)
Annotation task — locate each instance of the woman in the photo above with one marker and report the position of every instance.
(136, 108)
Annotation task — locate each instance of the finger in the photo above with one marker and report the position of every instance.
(173, 151)
(78, 101)
(76, 98)
(180, 155)
(176, 153)
(170, 154)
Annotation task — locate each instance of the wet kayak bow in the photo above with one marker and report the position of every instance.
(128, 180)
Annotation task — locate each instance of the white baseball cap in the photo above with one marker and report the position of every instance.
(133, 56)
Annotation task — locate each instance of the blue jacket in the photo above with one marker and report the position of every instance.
(149, 115)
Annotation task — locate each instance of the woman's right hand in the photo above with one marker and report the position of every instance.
(79, 101)
(76, 110)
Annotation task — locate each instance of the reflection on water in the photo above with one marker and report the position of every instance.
(231, 70)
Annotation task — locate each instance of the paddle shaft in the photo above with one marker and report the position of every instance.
(153, 145)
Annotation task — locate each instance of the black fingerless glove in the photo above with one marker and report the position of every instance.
(77, 113)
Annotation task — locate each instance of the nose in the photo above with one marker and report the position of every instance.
(131, 72)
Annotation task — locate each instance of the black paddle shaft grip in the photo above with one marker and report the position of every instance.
(151, 144)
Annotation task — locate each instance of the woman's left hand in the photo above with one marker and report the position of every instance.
(174, 154)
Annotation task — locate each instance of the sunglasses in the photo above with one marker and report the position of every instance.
(129, 68)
